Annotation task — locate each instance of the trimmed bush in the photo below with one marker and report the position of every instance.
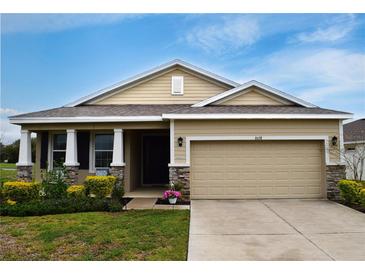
(350, 191)
(76, 191)
(100, 186)
(362, 197)
(21, 191)
(57, 206)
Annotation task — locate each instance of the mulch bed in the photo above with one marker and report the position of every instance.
(166, 202)
(356, 207)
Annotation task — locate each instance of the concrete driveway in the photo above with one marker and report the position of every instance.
(275, 230)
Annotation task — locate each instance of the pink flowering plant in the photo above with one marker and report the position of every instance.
(170, 194)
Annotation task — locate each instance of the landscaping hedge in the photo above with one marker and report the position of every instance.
(352, 192)
(59, 206)
(21, 191)
(100, 186)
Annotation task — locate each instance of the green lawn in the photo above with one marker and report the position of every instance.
(128, 235)
(6, 174)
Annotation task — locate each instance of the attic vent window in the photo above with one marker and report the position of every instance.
(177, 85)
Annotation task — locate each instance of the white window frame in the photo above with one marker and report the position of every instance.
(173, 87)
(51, 149)
(92, 160)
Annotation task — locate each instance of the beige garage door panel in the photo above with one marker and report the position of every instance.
(245, 169)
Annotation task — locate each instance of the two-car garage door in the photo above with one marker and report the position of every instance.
(256, 169)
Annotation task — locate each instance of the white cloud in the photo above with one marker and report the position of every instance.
(334, 30)
(9, 132)
(8, 111)
(327, 76)
(230, 33)
(56, 22)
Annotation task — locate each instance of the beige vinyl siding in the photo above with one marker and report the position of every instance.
(247, 169)
(254, 97)
(158, 91)
(275, 127)
(132, 161)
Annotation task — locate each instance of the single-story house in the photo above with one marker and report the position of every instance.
(354, 142)
(179, 122)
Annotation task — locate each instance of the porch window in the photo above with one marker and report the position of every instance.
(59, 150)
(103, 150)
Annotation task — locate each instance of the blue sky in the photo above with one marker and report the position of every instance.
(49, 60)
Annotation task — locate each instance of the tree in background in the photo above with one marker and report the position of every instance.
(11, 152)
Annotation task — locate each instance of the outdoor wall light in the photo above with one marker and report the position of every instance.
(180, 141)
(334, 140)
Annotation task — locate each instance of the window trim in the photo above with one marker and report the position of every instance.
(92, 167)
(51, 145)
(172, 85)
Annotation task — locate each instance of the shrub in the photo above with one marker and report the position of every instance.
(115, 206)
(350, 191)
(21, 191)
(362, 197)
(76, 191)
(100, 186)
(118, 192)
(56, 206)
(54, 184)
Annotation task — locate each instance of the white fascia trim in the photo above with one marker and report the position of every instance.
(84, 119)
(249, 84)
(151, 72)
(189, 139)
(253, 116)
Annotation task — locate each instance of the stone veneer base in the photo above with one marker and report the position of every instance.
(181, 174)
(334, 173)
(118, 171)
(72, 174)
(24, 173)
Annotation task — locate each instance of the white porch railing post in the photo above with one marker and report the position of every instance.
(118, 153)
(71, 148)
(25, 149)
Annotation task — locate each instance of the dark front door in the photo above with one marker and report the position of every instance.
(156, 155)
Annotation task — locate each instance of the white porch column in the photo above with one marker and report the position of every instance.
(118, 154)
(71, 148)
(25, 150)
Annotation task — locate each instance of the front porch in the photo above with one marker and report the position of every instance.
(146, 192)
(138, 156)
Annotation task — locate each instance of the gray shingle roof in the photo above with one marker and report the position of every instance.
(158, 110)
(354, 131)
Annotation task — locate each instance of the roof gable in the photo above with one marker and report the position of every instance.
(150, 73)
(253, 96)
(157, 90)
(250, 84)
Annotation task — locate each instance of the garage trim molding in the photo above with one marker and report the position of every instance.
(189, 139)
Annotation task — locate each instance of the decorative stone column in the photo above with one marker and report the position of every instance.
(71, 163)
(334, 173)
(25, 165)
(118, 165)
(118, 172)
(181, 174)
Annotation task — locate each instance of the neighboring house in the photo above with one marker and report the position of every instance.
(354, 141)
(178, 122)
